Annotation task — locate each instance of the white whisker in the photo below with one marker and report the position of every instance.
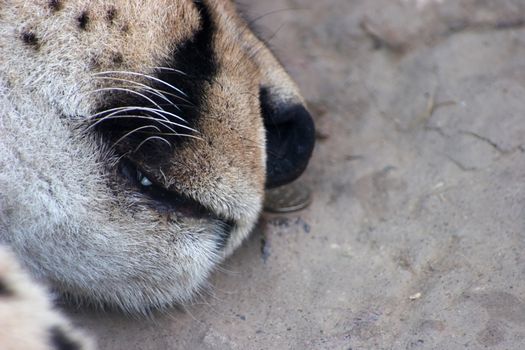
(171, 70)
(129, 91)
(179, 134)
(125, 109)
(160, 113)
(130, 116)
(116, 111)
(134, 131)
(163, 112)
(144, 76)
(157, 92)
(152, 138)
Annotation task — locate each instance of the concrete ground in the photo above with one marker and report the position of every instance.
(415, 237)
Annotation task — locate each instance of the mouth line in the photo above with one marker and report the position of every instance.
(166, 201)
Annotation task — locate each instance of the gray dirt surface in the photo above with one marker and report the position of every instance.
(416, 235)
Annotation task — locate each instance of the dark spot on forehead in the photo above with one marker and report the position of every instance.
(196, 57)
(55, 5)
(117, 58)
(30, 39)
(111, 14)
(83, 20)
(5, 291)
(125, 28)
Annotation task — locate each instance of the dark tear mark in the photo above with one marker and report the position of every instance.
(83, 20)
(30, 39)
(196, 59)
(55, 5)
(61, 341)
(196, 56)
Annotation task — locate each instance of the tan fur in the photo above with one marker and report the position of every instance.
(62, 211)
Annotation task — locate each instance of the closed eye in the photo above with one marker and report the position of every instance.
(159, 197)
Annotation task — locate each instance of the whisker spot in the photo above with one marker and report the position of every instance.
(83, 20)
(30, 39)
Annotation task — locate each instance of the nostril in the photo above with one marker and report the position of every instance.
(290, 135)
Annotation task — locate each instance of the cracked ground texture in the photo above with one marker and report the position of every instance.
(416, 235)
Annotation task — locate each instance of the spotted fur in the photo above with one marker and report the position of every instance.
(135, 142)
(27, 318)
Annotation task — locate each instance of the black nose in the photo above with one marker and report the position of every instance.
(290, 135)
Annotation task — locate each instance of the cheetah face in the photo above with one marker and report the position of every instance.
(140, 136)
